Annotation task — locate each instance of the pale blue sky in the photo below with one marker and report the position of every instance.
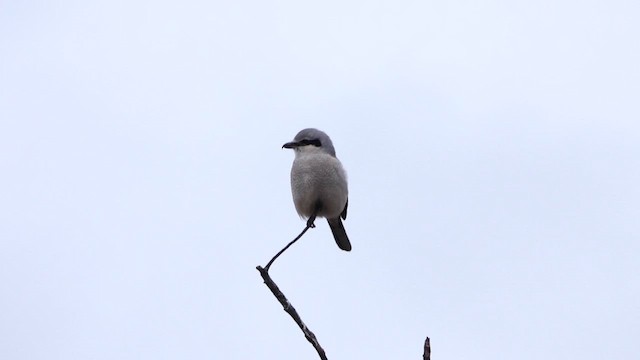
(493, 153)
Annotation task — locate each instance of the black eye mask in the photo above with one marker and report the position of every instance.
(314, 142)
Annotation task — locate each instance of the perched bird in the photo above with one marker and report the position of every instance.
(319, 183)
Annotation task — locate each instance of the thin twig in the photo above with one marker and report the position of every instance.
(266, 268)
(311, 337)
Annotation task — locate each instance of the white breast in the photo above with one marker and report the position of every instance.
(317, 176)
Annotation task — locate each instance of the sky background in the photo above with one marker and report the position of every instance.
(493, 153)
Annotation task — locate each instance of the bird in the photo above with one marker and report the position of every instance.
(319, 182)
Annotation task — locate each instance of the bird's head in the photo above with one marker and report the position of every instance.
(311, 140)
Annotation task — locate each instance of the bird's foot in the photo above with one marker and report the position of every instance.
(310, 222)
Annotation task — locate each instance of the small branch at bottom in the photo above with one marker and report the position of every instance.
(426, 355)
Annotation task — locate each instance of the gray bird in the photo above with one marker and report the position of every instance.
(319, 183)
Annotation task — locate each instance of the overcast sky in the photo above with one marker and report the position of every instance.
(493, 153)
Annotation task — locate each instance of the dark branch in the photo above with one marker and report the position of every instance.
(427, 350)
(264, 272)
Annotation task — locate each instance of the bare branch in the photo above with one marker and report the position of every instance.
(264, 272)
(290, 309)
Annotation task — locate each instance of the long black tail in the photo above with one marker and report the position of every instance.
(339, 234)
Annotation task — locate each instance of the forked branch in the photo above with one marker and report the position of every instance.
(264, 272)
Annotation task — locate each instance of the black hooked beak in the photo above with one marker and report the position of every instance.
(291, 145)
